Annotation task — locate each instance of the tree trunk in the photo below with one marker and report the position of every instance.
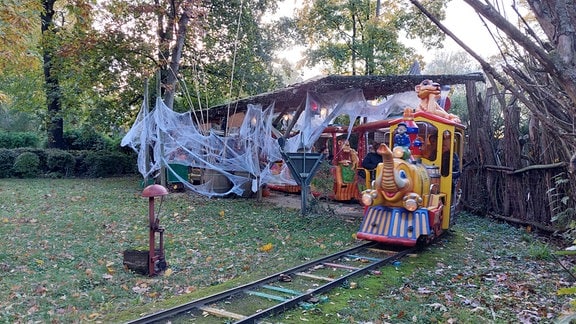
(172, 76)
(55, 124)
(513, 195)
(554, 17)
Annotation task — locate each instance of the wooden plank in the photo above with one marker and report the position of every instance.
(221, 313)
(340, 266)
(311, 276)
(382, 251)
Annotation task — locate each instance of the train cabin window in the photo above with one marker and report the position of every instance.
(449, 152)
(428, 135)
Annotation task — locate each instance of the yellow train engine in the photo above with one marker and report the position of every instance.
(414, 196)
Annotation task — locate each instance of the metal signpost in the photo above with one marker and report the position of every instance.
(303, 166)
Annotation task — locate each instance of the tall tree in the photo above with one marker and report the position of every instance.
(52, 84)
(207, 51)
(348, 37)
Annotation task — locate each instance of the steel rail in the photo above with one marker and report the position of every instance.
(282, 306)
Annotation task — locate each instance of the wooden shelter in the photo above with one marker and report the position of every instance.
(288, 99)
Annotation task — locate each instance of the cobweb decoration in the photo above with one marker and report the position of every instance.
(242, 159)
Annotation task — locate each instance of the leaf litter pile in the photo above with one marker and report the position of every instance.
(61, 260)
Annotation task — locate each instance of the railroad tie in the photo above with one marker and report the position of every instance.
(221, 313)
(388, 252)
(268, 296)
(340, 266)
(311, 276)
(363, 258)
(284, 290)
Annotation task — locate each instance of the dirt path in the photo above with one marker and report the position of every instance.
(292, 200)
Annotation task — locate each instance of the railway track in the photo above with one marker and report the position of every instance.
(301, 286)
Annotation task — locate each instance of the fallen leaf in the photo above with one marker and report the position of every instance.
(140, 290)
(438, 306)
(40, 290)
(266, 247)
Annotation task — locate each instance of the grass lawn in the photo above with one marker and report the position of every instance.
(63, 239)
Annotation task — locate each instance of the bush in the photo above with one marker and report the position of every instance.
(105, 164)
(86, 139)
(18, 139)
(26, 165)
(54, 163)
(7, 158)
(40, 152)
(60, 162)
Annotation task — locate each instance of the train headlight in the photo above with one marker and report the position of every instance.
(412, 201)
(398, 152)
(368, 197)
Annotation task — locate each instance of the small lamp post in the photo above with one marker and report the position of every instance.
(156, 261)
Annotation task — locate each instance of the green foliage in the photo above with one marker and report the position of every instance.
(86, 138)
(26, 165)
(348, 37)
(14, 120)
(18, 139)
(18, 23)
(56, 163)
(567, 291)
(60, 162)
(7, 158)
(106, 164)
(540, 251)
(40, 152)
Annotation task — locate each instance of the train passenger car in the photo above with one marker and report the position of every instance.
(414, 195)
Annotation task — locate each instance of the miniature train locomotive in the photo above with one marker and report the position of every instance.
(414, 195)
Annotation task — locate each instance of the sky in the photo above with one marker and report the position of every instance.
(461, 20)
(465, 23)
